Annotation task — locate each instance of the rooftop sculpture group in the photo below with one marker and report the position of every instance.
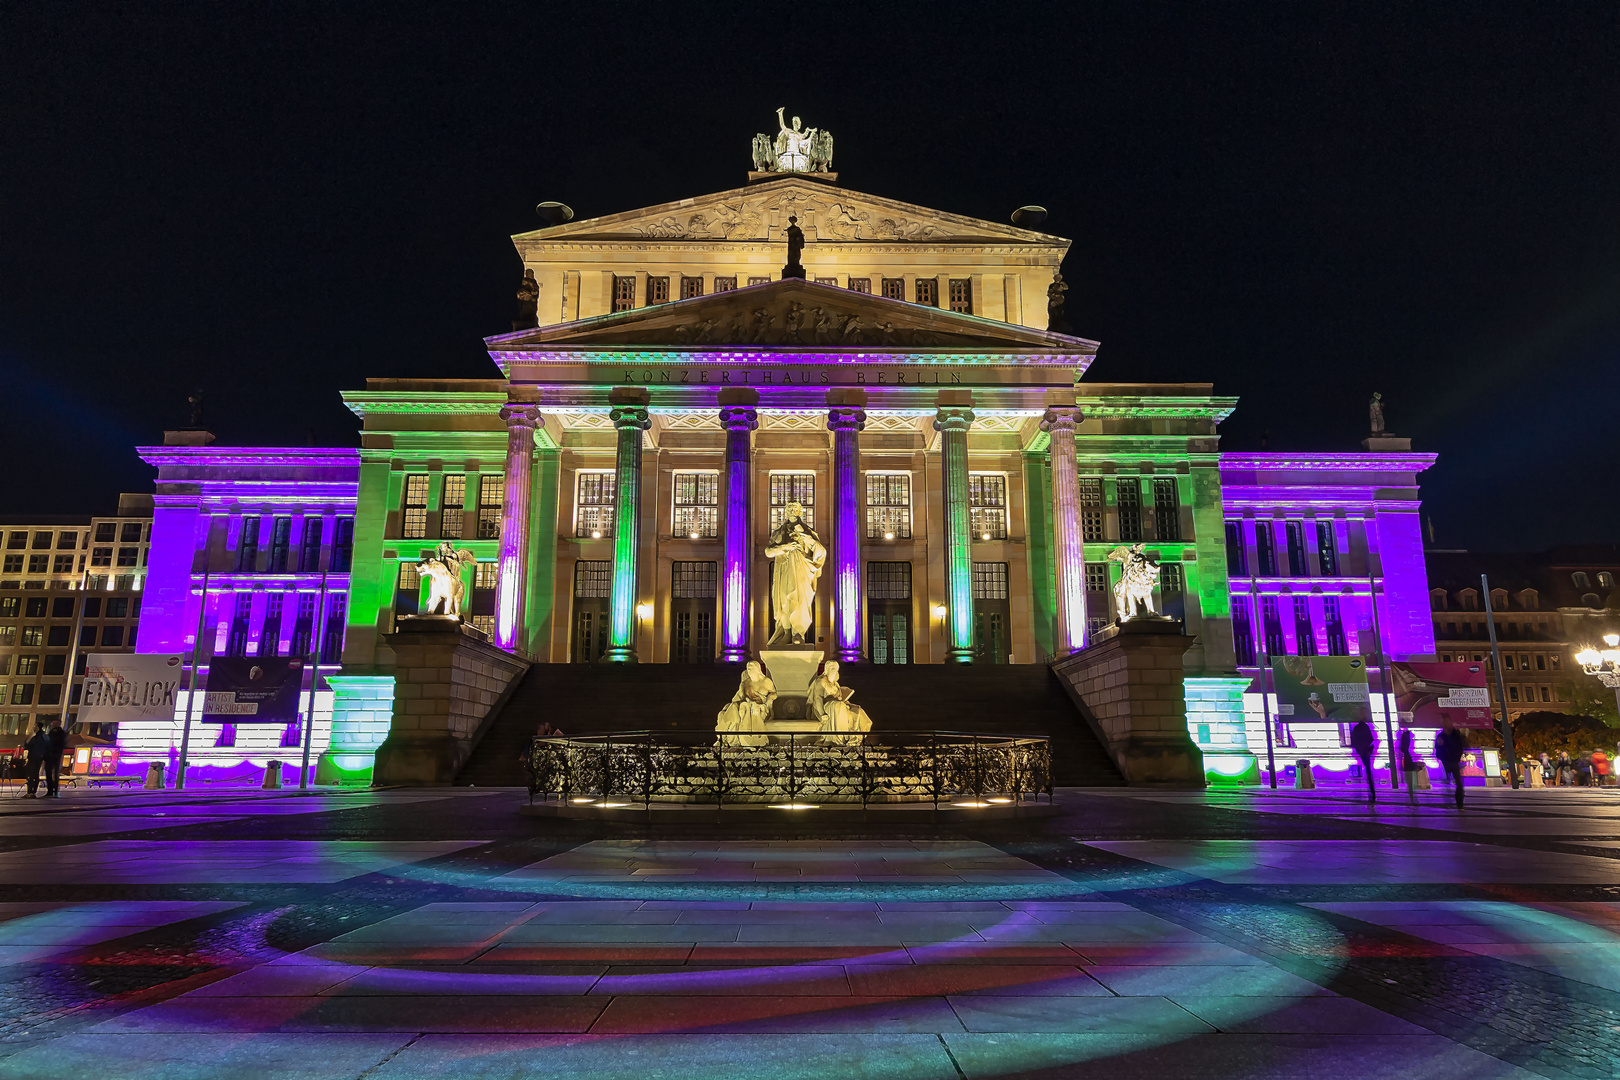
(793, 149)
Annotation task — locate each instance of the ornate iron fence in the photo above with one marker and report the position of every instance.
(645, 767)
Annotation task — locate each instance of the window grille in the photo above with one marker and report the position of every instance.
(310, 560)
(101, 556)
(332, 637)
(236, 642)
(789, 488)
(39, 564)
(766, 280)
(1097, 578)
(724, 284)
(894, 288)
(1304, 631)
(1327, 549)
(1273, 627)
(491, 499)
(104, 535)
(270, 632)
(697, 503)
(962, 295)
(454, 502)
(987, 506)
(928, 291)
(888, 506)
(1242, 632)
(1237, 556)
(827, 281)
(860, 284)
(593, 578)
(63, 564)
(624, 293)
(1172, 585)
(128, 556)
(888, 581)
(42, 540)
(1091, 509)
(658, 290)
(1166, 509)
(342, 545)
(1265, 548)
(693, 580)
(69, 541)
(413, 525)
(594, 494)
(1297, 566)
(247, 545)
(1128, 501)
(280, 547)
(409, 580)
(304, 626)
(990, 581)
(487, 574)
(484, 624)
(691, 287)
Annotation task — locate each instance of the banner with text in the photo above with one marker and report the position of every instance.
(1441, 695)
(1320, 689)
(120, 687)
(253, 689)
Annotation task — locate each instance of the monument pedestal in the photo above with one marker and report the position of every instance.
(447, 678)
(1130, 680)
(791, 668)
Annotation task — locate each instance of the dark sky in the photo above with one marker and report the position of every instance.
(1301, 203)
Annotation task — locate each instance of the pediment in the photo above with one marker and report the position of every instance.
(827, 214)
(793, 313)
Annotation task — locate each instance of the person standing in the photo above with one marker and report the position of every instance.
(1547, 777)
(53, 763)
(1362, 741)
(1409, 765)
(1566, 769)
(39, 749)
(1448, 747)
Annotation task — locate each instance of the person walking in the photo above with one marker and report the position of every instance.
(1409, 765)
(1547, 777)
(39, 750)
(1448, 747)
(1362, 741)
(1566, 769)
(53, 763)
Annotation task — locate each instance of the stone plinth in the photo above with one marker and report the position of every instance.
(1130, 679)
(791, 669)
(447, 677)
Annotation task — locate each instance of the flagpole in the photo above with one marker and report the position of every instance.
(73, 653)
(314, 675)
(191, 695)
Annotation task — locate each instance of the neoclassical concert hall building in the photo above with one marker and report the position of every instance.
(617, 478)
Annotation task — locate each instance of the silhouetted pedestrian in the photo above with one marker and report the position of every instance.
(1448, 747)
(1362, 741)
(39, 749)
(1409, 765)
(53, 763)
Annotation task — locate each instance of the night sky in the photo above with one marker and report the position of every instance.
(1301, 203)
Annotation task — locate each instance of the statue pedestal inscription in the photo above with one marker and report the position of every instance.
(791, 669)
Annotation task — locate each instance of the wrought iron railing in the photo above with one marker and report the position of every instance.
(643, 767)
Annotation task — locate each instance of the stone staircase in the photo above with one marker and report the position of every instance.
(582, 699)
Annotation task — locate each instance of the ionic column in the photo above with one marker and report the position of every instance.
(739, 417)
(521, 420)
(952, 423)
(846, 422)
(630, 420)
(1068, 539)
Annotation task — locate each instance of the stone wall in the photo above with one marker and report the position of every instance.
(1216, 722)
(362, 714)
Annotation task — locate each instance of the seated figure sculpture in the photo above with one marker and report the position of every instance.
(841, 722)
(742, 721)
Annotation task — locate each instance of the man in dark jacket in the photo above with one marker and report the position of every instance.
(1448, 747)
(39, 750)
(1363, 741)
(53, 763)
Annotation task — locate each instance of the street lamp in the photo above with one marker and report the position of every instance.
(1603, 663)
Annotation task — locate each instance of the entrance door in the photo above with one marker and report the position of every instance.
(888, 612)
(593, 588)
(992, 614)
(692, 611)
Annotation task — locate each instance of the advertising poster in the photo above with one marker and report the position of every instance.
(120, 687)
(253, 689)
(1320, 689)
(1441, 695)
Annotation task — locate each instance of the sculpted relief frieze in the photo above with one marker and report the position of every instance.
(794, 323)
(750, 219)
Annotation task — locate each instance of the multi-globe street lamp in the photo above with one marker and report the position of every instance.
(1604, 664)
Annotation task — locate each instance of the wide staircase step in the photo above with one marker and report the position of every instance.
(584, 699)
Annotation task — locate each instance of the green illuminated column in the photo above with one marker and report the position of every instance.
(629, 415)
(952, 422)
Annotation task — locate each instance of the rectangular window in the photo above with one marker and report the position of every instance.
(118, 607)
(724, 284)
(8, 635)
(1265, 548)
(33, 635)
(270, 633)
(28, 665)
(63, 564)
(860, 284)
(594, 494)
(928, 291)
(888, 581)
(42, 541)
(407, 590)
(787, 488)
(657, 290)
(342, 545)
(129, 534)
(14, 563)
(22, 695)
(303, 626)
(9, 607)
(697, 505)
(280, 547)
(484, 624)
(39, 564)
(766, 280)
(693, 580)
(1546, 694)
(894, 288)
(101, 556)
(1091, 508)
(309, 561)
(1334, 625)
(487, 574)
(624, 292)
(1166, 509)
(1097, 600)
(691, 287)
(987, 506)
(69, 541)
(114, 636)
(491, 499)
(19, 540)
(237, 641)
(1513, 692)
(454, 502)
(593, 579)
(990, 581)
(1297, 566)
(888, 506)
(56, 663)
(247, 547)
(827, 281)
(962, 295)
(1172, 590)
(127, 556)
(1128, 500)
(1273, 627)
(413, 525)
(1304, 632)
(332, 637)
(1327, 549)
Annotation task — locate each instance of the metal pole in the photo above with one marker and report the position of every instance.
(73, 653)
(1501, 689)
(191, 694)
(314, 677)
(1383, 677)
(1265, 666)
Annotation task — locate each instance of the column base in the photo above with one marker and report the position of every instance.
(620, 654)
(734, 656)
(958, 655)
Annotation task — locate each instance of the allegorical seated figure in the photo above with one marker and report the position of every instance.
(841, 721)
(742, 721)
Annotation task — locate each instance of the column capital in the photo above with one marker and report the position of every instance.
(953, 418)
(518, 414)
(739, 418)
(846, 418)
(1061, 416)
(630, 417)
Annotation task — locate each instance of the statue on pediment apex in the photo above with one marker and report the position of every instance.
(794, 149)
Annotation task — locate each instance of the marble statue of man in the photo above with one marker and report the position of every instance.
(742, 721)
(797, 556)
(446, 590)
(1375, 414)
(841, 721)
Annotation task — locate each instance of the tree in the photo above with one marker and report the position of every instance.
(1588, 697)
